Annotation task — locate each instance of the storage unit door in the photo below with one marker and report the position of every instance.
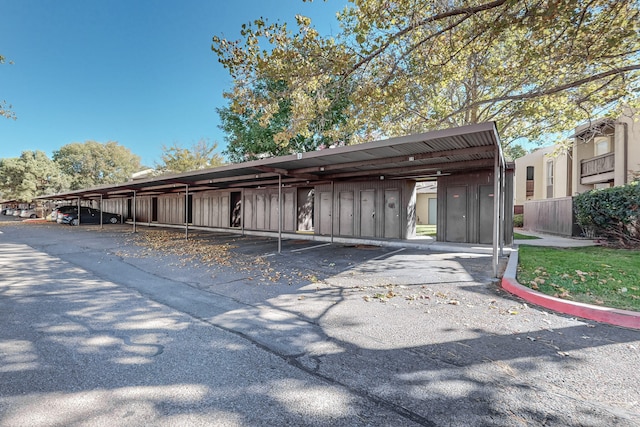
(261, 211)
(345, 225)
(392, 214)
(203, 208)
(223, 212)
(456, 214)
(274, 212)
(248, 211)
(368, 213)
(325, 213)
(289, 211)
(486, 214)
(214, 212)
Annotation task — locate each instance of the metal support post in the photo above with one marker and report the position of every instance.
(496, 210)
(331, 214)
(133, 214)
(279, 213)
(186, 212)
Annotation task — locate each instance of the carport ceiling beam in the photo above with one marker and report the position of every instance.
(122, 190)
(274, 182)
(398, 159)
(174, 190)
(286, 172)
(409, 170)
(162, 187)
(235, 178)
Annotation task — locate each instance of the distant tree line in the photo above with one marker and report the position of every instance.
(90, 164)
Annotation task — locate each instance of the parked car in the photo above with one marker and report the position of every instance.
(7, 211)
(28, 213)
(89, 216)
(60, 211)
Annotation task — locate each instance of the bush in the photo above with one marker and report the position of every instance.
(611, 213)
(518, 220)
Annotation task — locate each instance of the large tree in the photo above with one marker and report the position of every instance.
(201, 155)
(248, 137)
(92, 163)
(31, 175)
(536, 67)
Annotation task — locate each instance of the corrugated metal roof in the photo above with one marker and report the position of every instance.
(443, 151)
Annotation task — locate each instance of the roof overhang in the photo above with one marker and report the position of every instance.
(596, 127)
(419, 156)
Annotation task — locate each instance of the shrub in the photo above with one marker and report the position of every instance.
(611, 213)
(518, 220)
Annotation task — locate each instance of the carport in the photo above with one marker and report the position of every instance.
(359, 191)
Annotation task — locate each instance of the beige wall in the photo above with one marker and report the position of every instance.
(540, 160)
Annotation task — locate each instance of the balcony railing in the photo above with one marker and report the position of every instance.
(597, 165)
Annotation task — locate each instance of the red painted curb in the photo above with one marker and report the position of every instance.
(625, 318)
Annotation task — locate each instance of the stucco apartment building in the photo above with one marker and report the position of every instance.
(603, 153)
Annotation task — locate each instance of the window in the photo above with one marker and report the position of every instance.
(549, 179)
(529, 188)
(601, 145)
(529, 173)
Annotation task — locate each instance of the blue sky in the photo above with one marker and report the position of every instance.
(139, 72)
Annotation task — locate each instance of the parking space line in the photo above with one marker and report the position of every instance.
(310, 247)
(374, 259)
(386, 255)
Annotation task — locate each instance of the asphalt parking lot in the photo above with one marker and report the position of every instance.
(107, 327)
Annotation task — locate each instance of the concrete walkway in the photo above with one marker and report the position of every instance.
(625, 318)
(550, 240)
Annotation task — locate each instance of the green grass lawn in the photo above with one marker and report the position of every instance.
(593, 275)
(426, 230)
(519, 236)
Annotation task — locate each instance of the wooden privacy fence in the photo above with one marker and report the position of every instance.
(553, 216)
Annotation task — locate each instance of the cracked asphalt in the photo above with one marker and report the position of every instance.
(100, 328)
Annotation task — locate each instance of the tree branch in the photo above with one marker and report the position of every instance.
(550, 91)
(456, 12)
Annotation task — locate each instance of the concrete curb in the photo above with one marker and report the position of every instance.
(624, 318)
